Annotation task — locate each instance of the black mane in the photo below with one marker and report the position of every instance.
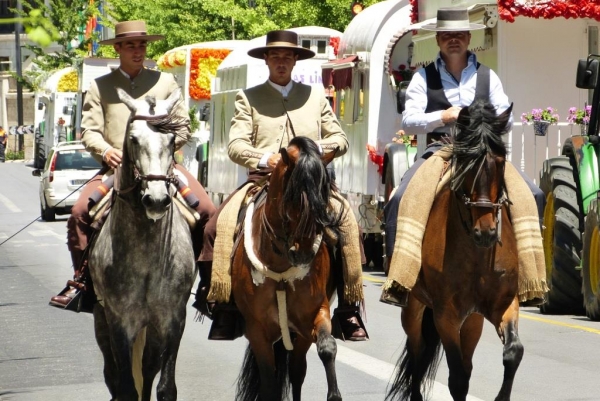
(479, 131)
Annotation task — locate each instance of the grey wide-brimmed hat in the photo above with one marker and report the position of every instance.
(130, 30)
(452, 20)
(282, 40)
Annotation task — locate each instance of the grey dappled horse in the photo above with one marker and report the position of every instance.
(142, 263)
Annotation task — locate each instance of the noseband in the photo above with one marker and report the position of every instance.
(483, 204)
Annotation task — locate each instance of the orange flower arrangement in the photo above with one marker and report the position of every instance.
(203, 67)
(171, 59)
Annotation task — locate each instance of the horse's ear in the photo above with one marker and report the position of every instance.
(504, 117)
(284, 156)
(329, 156)
(125, 98)
(173, 98)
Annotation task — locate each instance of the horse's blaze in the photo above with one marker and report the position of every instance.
(548, 235)
(594, 263)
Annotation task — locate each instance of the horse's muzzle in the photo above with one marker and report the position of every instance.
(156, 206)
(485, 238)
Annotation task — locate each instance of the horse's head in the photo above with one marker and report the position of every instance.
(148, 150)
(298, 199)
(479, 155)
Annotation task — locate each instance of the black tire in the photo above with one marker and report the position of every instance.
(562, 237)
(48, 213)
(590, 274)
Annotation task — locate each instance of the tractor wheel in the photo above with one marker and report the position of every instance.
(561, 237)
(591, 262)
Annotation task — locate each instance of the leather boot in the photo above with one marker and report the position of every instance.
(201, 302)
(63, 299)
(228, 323)
(395, 295)
(347, 325)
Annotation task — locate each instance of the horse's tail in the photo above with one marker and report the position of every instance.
(136, 360)
(248, 383)
(424, 370)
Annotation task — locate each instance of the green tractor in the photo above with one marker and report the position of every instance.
(571, 237)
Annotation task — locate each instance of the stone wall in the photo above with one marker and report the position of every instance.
(28, 109)
(28, 142)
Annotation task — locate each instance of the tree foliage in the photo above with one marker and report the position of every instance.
(62, 22)
(192, 21)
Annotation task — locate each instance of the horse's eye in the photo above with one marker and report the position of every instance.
(134, 140)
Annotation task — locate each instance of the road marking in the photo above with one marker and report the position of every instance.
(538, 319)
(46, 233)
(373, 279)
(557, 323)
(384, 371)
(9, 205)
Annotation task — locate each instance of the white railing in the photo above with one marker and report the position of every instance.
(528, 151)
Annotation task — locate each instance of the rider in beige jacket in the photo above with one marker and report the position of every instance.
(266, 118)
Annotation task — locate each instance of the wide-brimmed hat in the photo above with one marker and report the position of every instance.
(452, 20)
(130, 30)
(282, 40)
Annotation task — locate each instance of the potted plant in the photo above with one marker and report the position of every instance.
(580, 117)
(541, 119)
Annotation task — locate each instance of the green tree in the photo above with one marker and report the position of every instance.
(60, 21)
(186, 22)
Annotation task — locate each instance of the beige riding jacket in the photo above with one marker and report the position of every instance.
(104, 119)
(260, 123)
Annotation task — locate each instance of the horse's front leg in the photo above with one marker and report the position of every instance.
(327, 350)
(508, 330)
(449, 329)
(166, 389)
(103, 339)
(122, 336)
(298, 366)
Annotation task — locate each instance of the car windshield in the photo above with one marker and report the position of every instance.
(78, 159)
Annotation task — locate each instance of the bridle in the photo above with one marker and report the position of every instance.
(482, 204)
(138, 178)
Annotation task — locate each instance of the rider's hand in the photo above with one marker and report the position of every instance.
(450, 115)
(112, 157)
(273, 160)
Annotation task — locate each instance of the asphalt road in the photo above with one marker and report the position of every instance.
(49, 354)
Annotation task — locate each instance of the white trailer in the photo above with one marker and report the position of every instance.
(58, 114)
(240, 71)
(180, 61)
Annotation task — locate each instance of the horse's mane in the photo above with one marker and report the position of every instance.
(172, 123)
(478, 131)
(309, 186)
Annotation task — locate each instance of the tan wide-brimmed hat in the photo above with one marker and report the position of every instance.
(130, 30)
(282, 40)
(452, 20)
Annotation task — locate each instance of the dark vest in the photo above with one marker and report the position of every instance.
(436, 98)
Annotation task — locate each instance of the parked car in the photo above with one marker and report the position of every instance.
(68, 168)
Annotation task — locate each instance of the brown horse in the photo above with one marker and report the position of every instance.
(281, 278)
(469, 267)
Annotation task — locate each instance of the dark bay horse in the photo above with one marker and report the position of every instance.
(469, 267)
(281, 278)
(142, 262)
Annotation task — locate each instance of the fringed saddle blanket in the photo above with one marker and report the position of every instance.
(413, 214)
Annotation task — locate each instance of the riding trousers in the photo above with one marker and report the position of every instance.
(390, 210)
(78, 225)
